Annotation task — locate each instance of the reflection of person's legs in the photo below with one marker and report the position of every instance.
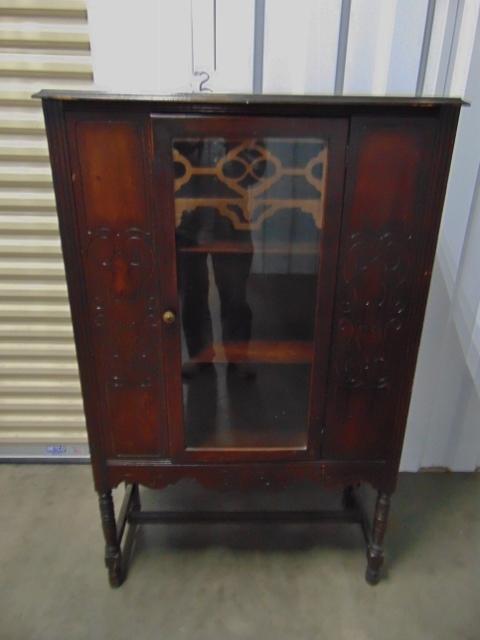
(200, 409)
(197, 323)
(231, 275)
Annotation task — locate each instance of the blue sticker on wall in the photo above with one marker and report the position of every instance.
(56, 449)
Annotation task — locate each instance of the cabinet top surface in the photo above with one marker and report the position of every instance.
(244, 99)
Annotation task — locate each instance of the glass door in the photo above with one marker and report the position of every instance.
(253, 208)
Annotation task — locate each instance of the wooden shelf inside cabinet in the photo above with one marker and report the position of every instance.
(265, 439)
(278, 352)
(302, 248)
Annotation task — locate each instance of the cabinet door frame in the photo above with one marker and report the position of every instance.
(164, 128)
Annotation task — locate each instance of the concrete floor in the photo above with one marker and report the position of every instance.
(237, 581)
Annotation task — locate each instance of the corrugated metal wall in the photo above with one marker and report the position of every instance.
(43, 43)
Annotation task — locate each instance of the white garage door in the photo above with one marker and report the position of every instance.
(42, 44)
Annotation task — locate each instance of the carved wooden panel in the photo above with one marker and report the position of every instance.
(373, 304)
(379, 265)
(120, 264)
(124, 307)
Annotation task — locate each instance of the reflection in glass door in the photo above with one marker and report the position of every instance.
(249, 216)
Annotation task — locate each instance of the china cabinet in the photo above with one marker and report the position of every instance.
(248, 278)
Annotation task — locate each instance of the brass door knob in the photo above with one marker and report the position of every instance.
(169, 317)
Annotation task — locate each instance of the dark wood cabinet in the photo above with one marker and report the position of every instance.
(248, 278)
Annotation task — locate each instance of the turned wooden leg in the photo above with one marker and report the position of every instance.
(375, 548)
(136, 504)
(348, 497)
(113, 553)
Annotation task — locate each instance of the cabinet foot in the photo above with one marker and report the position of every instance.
(115, 570)
(375, 547)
